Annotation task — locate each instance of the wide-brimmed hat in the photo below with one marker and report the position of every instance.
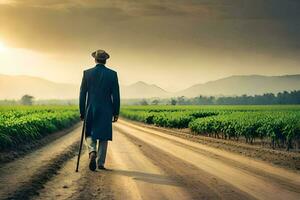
(100, 55)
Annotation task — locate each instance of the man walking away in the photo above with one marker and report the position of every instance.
(99, 104)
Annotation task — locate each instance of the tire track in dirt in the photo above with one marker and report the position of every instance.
(130, 175)
(44, 174)
(143, 164)
(198, 183)
(68, 184)
(135, 175)
(288, 183)
(23, 178)
(288, 160)
(139, 169)
(242, 179)
(243, 162)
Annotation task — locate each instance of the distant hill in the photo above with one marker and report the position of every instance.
(239, 85)
(143, 90)
(14, 87)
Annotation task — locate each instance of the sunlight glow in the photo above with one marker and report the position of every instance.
(2, 47)
(7, 1)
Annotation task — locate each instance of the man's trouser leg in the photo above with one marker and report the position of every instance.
(102, 149)
(91, 144)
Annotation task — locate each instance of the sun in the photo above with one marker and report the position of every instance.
(2, 47)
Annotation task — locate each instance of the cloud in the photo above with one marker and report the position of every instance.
(76, 25)
(229, 9)
(187, 40)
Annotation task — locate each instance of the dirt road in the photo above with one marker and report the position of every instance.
(144, 163)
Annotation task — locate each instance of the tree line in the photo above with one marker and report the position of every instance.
(30, 100)
(285, 97)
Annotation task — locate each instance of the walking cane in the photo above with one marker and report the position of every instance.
(80, 147)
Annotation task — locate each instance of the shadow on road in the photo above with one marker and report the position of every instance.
(146, 177)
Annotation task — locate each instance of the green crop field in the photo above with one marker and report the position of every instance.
(23, 124)
(277, 125)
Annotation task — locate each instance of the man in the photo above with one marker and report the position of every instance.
(99, 104)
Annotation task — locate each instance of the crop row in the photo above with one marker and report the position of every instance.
(279, 126)
(282, 128)
(217, 108)
(21, 125)
(175, 119)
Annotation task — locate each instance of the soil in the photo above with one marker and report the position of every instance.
(148, 163)
(282, 158)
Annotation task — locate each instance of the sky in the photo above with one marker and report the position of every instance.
(171, 43)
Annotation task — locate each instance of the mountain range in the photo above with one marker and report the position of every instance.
(247, 84)
(13, 87)
(141, 89)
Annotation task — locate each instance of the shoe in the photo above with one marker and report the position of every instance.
(92, 164)
(101, 167)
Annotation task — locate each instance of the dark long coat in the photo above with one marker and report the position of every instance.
(99, 101)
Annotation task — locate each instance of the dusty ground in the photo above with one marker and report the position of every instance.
(145, 163)
(282, 158)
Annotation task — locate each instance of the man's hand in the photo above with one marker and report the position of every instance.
(115, 118)
(81, 117)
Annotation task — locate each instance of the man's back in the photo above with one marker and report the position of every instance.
(100, 84)
(99, 100)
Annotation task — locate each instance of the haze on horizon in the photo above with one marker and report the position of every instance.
(173, 44)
